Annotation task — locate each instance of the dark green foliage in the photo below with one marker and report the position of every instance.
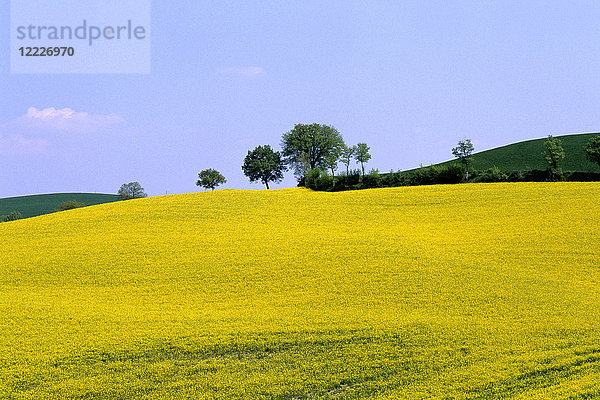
(592, 150)
(583, 177)
(12, 216)
(131, 190)
(317, 179)
(32, 206)
(449, 175)
(264, 165)
(348, 181)
(307, 146)
(69, 205)
(210, 179)
(371, 180)
(490, 175)
(435, 175)
(394, 179)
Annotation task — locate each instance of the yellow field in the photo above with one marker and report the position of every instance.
(467, 291)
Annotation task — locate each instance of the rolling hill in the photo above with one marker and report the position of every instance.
(485, 291)
(527, 155)
(34, 205)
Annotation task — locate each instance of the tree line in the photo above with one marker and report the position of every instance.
(306, 148)
(314, 152)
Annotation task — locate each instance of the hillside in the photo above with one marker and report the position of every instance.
(34, 205)
(456, 291)
(527, 155)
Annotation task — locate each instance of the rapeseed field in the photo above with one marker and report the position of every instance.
(477, 291)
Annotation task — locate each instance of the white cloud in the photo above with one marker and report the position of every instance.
(65, 119)
(39, 129)
(247, 72)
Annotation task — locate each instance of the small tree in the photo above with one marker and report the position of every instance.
(346, 156)
(264, 165)
(131, 190)
(592, 150)
(464, 152)
(553, 155)
(361, 153)
(210, 179)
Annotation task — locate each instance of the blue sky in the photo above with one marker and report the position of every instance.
(409, 78)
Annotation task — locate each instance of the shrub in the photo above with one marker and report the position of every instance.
(435, 175)
(317, 179)
(69, 205)
(369, 181)
(490, 175)
(13, 216)
(583, 177)
(394, 179)
(453, 173)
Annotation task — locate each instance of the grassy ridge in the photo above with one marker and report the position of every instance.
(32, 206)
(458, 291)
(527, 155)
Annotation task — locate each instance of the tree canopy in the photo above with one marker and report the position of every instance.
(307, 146)
(131, 190)
(264, 165)
(210, 179)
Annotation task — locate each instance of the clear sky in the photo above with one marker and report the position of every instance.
(410, 78)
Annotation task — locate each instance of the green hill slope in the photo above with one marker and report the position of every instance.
(527, 155)
(32, 206)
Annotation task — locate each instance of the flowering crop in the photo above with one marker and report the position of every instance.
(456, 291)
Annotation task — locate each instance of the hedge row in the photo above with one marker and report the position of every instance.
(318, 179)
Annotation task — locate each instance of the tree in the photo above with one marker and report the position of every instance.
(554, 154)
(332, 160)
(264, 165)
(361, 153)
(131, 190)
(210, 179)
(464, 152)
(346, 155)
(592, 150)
(307, 146)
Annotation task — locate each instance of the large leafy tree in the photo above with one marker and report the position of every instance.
(464, 152)
(592, 150)
(361, 153)
(264, 165)
(210, 179)
(131, 190)
(307, 147)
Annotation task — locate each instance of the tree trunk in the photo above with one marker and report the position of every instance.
(267, 183)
